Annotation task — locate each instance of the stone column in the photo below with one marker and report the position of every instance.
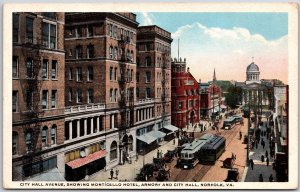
(112, 121)
(85, 127)
(98, 124)
(70, 130)
(92, 125)
(138, 115)
(78, 128)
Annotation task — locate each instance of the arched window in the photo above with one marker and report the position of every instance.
(53, 134)
(115, 52)
(28, 139)
(110, 52)
(113, 150)
(131, 56)
(130, 143)
(15, 143)
(44, 136)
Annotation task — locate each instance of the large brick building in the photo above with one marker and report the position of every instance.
(38, 75)
(185, 96)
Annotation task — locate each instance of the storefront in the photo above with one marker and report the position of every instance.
(171, 132)
(149, 141)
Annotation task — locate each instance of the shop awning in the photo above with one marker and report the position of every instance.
(146, 138)
(151, 136)
(51, 175)
(86, 160)
(171, 128)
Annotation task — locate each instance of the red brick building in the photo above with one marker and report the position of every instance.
(185, 96)
(38, 75)
(210, 99)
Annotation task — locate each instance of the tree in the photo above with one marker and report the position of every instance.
(234, 96)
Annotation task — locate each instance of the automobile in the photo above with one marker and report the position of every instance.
(238, 119)
(232, 175)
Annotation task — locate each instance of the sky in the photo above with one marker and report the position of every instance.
(227, 42)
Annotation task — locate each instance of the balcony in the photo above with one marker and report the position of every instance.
(84, 108)
(145, 101)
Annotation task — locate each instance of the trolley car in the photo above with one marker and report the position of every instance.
(230, 122)
(212, 150)
(189, 156)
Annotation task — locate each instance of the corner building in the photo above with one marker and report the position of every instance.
(38, 94)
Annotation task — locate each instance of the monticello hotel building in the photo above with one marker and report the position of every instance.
(90, 90)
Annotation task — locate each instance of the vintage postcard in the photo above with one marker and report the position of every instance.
(150, 96)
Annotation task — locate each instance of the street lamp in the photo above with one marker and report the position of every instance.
(248, 131)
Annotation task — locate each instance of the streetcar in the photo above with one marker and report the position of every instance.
(212, 150)
(238, 119)
(229, 123)
(189, 155)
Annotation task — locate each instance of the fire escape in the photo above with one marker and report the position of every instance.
(31, 84)
(126, 101)
(164, 90)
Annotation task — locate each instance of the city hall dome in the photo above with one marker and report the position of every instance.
(252, 67)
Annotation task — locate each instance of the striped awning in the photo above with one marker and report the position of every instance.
(86, 160)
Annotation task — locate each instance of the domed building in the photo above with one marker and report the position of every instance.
(252, 74)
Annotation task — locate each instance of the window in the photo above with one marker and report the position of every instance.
(54, 69)
(131, 56)
(78, 52)
(79, 96)
(53, 98)
(78, 31)
(29, 30)
(29, 97)
(51, 15)
(148, 62)
(147, 47)
(180, 105)
(45, 99)
(70, 95)
(90, 73)
(148, 76)
(28, 139)
(44, 136)
(110, 52)
(111, 95)
(70, 74)
(195, 103)
(115, 53)
(15, 69)
(15, 143)
(131, 74)
(15, 27)
(45, 69)
(137, 61)
(137, 77)
(90, 96)
(110, 30)
(78, 74)
(53, 134)
(49, 35)
(14, 101)
(90, 31)
(70, 52)
(147, 92)
(90, 51)
(115, 31)
(115, 73)
(113, 151)
(130, 143)
(110, 73)
(29, 68)
(137, 92)
(116, 94)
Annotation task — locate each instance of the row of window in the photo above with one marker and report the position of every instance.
(190, 103)
(113, 73)
(78, 73)
(150, 47)
(78, 96)
(144, 114)
(29, 137)
(147, 92)
(114, 54)
(79, 31)
(120, 33)
(32, 66)
(49, 34)
(148, 62)
(79, 52)
(30, 100)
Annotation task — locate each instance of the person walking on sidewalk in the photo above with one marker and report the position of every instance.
(268, 161)
(251, 163)
(261, 179)
(111, 174)
(267, 154)
(271, 179)
(157, 155)
(263, 144)
(117, 173)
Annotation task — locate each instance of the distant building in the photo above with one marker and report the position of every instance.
(210, 99)
(185, 96)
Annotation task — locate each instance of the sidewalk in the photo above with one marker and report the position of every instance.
(259, 166)
(128, 171)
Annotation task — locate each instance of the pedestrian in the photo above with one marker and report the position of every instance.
(261, 179)
(262, 158)
(251, 163)
(267, 161)
(271, 179)
(240, 135)
(117, 173)
(256, 144)
(263, 144)
(234, 156)
(161, 154)
(157, 156)
(111, 174)
(267, 154)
